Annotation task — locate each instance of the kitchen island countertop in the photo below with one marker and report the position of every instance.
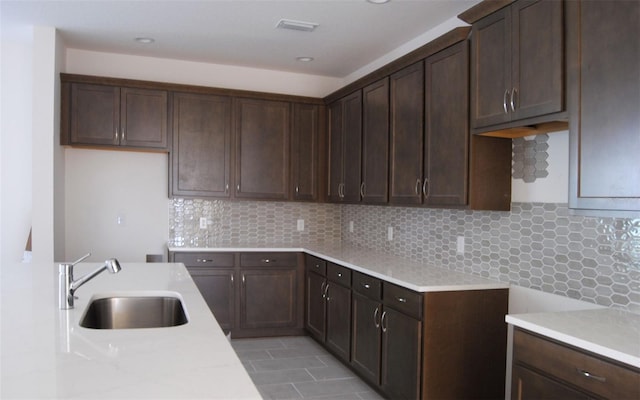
(46, 354)
(420, 277)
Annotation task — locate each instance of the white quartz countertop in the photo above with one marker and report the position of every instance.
(421, 277)
(46, 354)
(609, 332)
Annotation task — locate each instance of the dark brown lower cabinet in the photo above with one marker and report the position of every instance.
(367, 337)
(217, 286)
(401, 355)
(338, 338)
(546, 369)
(268, 298)
(250, 294)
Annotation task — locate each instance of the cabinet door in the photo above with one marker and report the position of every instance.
(446, 147)
(491, 69)
(366, 337)
(268, 298)
(375, 143)
(338, 337)
(143, 118)
(201, 145)
(352, 131)
(537, 69)
(217, 286)
(604, 138)
(529, 385)
(407, 133)
(336, 152)
(316, 306)
(401, 349)
(304, 151)
(262, 149)
(95, 114)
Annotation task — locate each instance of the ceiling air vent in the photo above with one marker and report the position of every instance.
(296, 25)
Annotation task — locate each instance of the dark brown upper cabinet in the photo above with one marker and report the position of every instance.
(374, 188)
(604, 138)
(201, 157)
(518, 69)
(446, 144)
(107, 116)
(407, 134)
(262, 130)
(345, 143)
(305, 153)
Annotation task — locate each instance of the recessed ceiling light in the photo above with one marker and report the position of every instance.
(304, 59)
(144, 40)
(296, 25)
(377, 1)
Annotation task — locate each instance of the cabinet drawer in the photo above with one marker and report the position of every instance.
(586, 371)
(403, 300)
(204, 259)
(318, 265)
(268, 259)
(339, 274)
(367, 285)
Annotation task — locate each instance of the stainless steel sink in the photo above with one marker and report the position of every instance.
(134, 312)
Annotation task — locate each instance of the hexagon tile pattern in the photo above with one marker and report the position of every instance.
(536, 245)
(530, 158)
(250, 222)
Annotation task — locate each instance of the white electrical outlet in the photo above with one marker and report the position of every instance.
(203, 223)
(460, 245)
(300, 225)
(390, 233)
(350, 226)
(121, 220)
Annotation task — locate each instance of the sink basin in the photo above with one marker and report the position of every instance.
(134, 312)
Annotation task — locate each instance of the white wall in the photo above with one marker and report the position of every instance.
(103, 185)
(553, 188)
(16, 76)
(198, 73)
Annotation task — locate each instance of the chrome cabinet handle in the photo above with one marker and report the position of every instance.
(589, 375)
(203, 260)
(231, 279)
(418, 186)
(383, 321)
(339, 274)
(362, 190)
(243, 279)
(341, 190)
(268, 260)
(297, 189)
(504, 101)
(512, 99)
(322, 287)
(376, 322)
(401, 299)
(115, 137)
(226, 188)
(425, 186)
(238, 187)
(326, 292)
(366, 285)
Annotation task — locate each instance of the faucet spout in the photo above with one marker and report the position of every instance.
(68, 286)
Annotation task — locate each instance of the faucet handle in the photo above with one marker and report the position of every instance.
(81, 259)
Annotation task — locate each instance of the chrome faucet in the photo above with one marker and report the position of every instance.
(67, 286)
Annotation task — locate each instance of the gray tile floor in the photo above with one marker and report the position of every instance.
(299, 368)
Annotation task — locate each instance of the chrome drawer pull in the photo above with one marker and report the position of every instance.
(504, 101)
(401, 299)
(339, 274)
(324, 294)
(366, 285)
(589, 375)
(267, 260)
(203, 260)
(376, 322)
(383, 321)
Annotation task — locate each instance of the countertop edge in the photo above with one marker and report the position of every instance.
(488, 285)
(574, 341)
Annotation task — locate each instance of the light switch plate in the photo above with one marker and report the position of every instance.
(300, 225)
(390, 233)
(203, 223)
(460, 245)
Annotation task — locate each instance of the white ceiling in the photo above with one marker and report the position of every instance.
(351, 33)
